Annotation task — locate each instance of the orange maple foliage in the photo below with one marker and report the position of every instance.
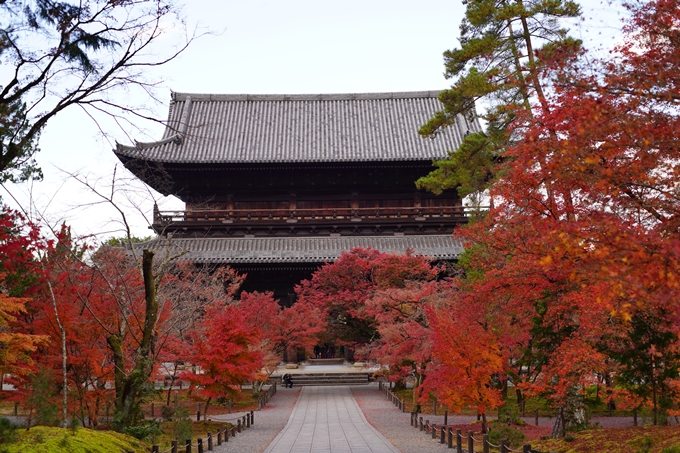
(584, 237)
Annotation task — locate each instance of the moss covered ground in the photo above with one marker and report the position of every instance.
(647, 439)
(44, 439)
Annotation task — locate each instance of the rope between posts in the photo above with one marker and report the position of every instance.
(492, 445)
(223, 419)
(166, 451)
(511, 450)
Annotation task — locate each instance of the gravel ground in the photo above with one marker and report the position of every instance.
(269, 421)
(380, 413)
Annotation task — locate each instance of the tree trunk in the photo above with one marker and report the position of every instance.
(520, 399)
(131, 388)
(205, 411)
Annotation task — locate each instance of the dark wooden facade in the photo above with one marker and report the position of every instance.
(338, 198)
(298, 166)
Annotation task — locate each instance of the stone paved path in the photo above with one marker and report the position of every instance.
(328, 420)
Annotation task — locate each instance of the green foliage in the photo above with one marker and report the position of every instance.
(500, 430)
(672, 449)
(147, 430)
(167, 413)
(182, 425)
(650, 360)
(509, 413)
(497, 61)
(60, 53)
(8, 431)
(41, 399)
(13, 124)
(645, 445)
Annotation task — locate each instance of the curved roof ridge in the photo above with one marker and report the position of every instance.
(203, 97)
(176, 138)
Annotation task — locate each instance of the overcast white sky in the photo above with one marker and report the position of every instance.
(268, 46)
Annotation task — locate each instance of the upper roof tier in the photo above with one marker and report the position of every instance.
(245, 128)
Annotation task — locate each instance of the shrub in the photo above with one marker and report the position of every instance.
(182, 426)
(8, 431)
(145, 431)
(500, 431)
(167, 413)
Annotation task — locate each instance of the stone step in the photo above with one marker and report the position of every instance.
(331, 379)
(338, 361)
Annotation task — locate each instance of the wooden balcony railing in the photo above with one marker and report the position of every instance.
(290, 216)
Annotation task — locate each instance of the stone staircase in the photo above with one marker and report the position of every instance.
(337, 378)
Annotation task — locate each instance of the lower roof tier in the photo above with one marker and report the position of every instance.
(297, 249)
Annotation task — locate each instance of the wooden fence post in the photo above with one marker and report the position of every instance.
(446, 417)
(471, 442)
(450, 443)
(188, 446)
(238, 425)
(173, 446)
(485, 443)
(504, 445)
(442, 438)
(252, 417)
(247, 420)
(210, 442)
(219, 437)
(434, 431)
(459, 441)
(226, 434)
(200, 445)
(421, 423)
(154, 448)
(526, 448)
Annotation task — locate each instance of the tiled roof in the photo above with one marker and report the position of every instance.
(298, 249)
(209, 128)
